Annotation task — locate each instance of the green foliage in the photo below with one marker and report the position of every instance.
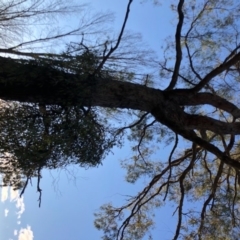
(136, 227)
(50, 137)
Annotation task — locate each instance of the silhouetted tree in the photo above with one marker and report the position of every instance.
(55, 114)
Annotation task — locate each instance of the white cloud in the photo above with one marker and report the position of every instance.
(15, 232)
(13, 194)
(4, 194)
(14, 197)
(18, 222)
(25, 234)
(6, 211)
(21, 206)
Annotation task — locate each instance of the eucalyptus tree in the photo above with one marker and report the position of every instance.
(56, 104)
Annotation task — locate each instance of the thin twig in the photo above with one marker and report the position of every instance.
(182, 189)
(169, 163)
(132, 125)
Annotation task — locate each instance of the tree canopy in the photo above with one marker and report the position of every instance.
(58, 107)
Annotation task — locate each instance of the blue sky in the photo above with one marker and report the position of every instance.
(71, 196)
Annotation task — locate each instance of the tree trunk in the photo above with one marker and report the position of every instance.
(27, 81)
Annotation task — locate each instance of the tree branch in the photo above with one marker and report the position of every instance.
(178, 47)
(118, 40)
(191, 135)
(223, 67)
(210, 197)
(169, 163)
(182, 190)
(206, 98)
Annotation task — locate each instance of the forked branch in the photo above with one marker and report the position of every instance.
(118, 40)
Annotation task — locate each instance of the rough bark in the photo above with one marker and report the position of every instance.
(43, 84)
(30, 82)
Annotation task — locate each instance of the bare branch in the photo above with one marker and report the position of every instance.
(24, 187)
(28, 54)
(183, 78)
(39, 176)
(203, 98)
(46, 39)
(191, 135)
(169, 163)
(182, 189)
(186, 40)
(178, 46)
(210, 197)
(142, 137)
(142, 198)
(133, 124)
(223, 67)
(118, 40)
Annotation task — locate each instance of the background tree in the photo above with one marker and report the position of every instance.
(55, 100)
